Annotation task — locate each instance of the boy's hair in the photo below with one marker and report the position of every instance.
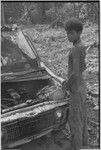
(73, 24)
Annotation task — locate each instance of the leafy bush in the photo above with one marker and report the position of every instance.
(31, 12)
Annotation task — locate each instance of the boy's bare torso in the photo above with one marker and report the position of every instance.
(76, 61)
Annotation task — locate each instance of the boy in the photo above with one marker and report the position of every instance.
(76, 86)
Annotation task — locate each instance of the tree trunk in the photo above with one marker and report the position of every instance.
(74, 10)
(29, 13)
(41, 11)
(3, 21)
(80, 4)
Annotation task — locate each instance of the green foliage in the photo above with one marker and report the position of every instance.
(38, 13)
(13, 11)
(93, 12)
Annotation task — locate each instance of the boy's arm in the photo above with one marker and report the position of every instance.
(75, 74)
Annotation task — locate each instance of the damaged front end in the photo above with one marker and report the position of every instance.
(32, 102)
(33, 116)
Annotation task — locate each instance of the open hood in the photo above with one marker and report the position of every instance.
(17, 50)
(25, 43)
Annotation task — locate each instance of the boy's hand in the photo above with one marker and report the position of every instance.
(65, 85)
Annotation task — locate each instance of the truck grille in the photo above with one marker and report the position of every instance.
(29, 126)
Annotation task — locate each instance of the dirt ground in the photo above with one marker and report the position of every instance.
(60, 142)
(53, 47)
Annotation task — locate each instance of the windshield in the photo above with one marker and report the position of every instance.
(16, 54)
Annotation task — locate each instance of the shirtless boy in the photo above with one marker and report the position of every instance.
(76, 86)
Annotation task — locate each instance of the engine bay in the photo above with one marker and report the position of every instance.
(26, 92)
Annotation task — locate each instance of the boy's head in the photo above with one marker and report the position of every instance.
(74, 29)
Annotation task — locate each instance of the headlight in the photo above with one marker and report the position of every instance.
(3, 136)
(58, 114)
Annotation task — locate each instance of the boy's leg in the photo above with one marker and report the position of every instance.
(85, 129)
(82, 91)
(75, 122)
